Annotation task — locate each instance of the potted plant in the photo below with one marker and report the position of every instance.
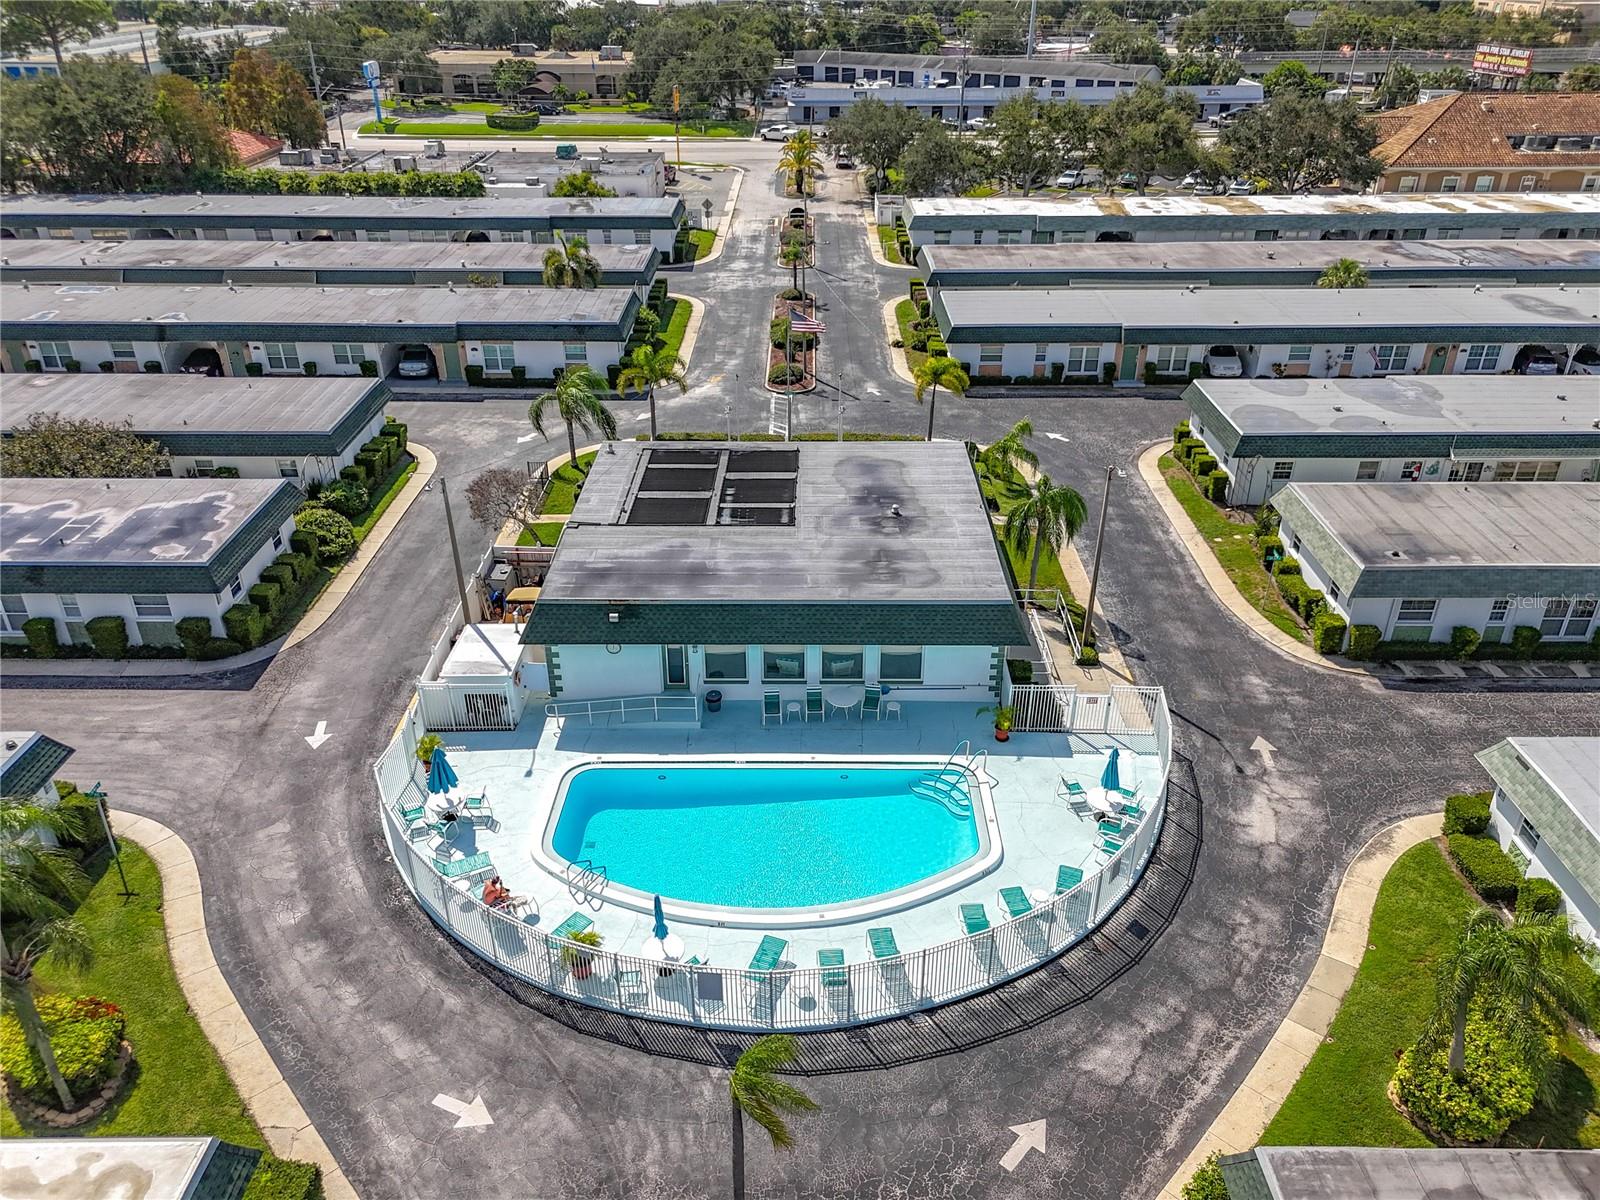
(1004, 715)
(578, 960)
(426, 746)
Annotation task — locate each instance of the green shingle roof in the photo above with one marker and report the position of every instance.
(32, 764)
(1553, 782)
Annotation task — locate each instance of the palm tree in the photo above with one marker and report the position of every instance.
(1000, 459)
(577, 402)
(931, 372)
(1050, 516)
(1345, 273)
(802, 156)
(646, 370)
(571, 265)
(1525, 972)
(792, 254)
(35, 874)
(760, 1096)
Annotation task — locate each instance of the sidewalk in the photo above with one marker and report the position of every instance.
(1238, 1127)
(314, 618)
(265, 1092)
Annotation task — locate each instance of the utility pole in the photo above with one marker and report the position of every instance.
(1033, 25)
(455, 552)
(1099, 544)
(145, 51)
(961, 120)
(677, 108)
(316, 84)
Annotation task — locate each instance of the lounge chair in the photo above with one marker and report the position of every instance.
(880, 940)
(1068, 878)
(768, 954)
(478, 808)
(1109, 845)
(1111, 828)
(771, 707)
(465, 868)
(1071, 787)
(974, 918)
(831, 978)
(814, 704)
(1015, 901)
(872, 702)
(631, 990)
(576, 923)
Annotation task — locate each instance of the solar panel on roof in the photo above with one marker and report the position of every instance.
(770, 461)
(659, 510)
(760, 490)
(678, 479)
(707, 458)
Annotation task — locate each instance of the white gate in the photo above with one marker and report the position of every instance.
(448, 706)
(1044, 707)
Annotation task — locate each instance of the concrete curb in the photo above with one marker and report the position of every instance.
(1216, 577)
(315, 617)
(725, 226)
(876, 250)
(891, 330)
(1251, 1108)
(691, 332)
(266, 1094)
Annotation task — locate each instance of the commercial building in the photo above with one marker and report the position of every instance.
(1546, 807)
(1261, 264)
(263, 428)
(1477, 142)
(1131, 336)
(151, 551)
(1419, 562)
(1017, 221)
(532, 332)
(622, 220)
(1362, 1173)
(1269, 433)
(625, 172)
(325, 264)
(469, 74)
(753, 570)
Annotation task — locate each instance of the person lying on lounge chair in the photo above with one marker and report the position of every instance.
(496, 894)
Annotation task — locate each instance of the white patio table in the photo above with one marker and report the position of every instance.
(844, 696)
(668, 952)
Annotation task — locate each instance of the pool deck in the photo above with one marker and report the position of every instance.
(521, 771)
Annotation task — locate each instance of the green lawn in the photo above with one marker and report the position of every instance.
(384, 495)
(700, 243)
(638, 106)
(904, 313)
(543, 533)
(559, 131)
(179, 1086)
(1235, 551)
(1341, 1100)
(674, 325)
(890, 245)
(562, 493)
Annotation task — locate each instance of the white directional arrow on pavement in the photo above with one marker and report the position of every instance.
(467, 1115)
(1058, 437)
(527, 437)
(1029, 1137)
(321, 735)
(1264, 748)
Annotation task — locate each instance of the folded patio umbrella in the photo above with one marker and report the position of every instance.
(1109, 779)
(660, 930)
(441, 775)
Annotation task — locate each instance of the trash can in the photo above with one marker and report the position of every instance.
(713, 701)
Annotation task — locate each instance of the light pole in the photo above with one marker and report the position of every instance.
(99, 799)
(1099, 545)
(455, 552)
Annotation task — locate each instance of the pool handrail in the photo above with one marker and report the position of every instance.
(676, 702)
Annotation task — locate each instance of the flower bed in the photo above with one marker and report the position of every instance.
(801, 374)
(86, 1034)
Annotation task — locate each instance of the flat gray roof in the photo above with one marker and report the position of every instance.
(1349, 1173)
(302, 210)
(125, 522)
(171, 1168)
(846, 543)
(1380, 205)
(190, 404)
(1401, 404)
(1405, 525)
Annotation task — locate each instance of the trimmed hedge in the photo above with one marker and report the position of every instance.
(786, 373)
(369, 368)
(41, 635)
(1464, 640)
(245, 625)
(516, 121)
(1467, 813)
(355, 473)
(396, 430)
(1364, 641)
(109, 635)
(346, 497)
(284, 1179)
(281, 575)
(254, 369)
(194, 633)
(1327, 632)
(301, 542)
(1217, 486)
(1525, 640)
(219, 648)
(300, 565)
(1538, 896)
(1306, 600)
(1286, 566)
(1488, 868)
(268, 597)
(335, 536)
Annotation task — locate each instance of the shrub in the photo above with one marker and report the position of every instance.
(301, 542)
(1203, 464)
(1538, 896)
(1090, 657)
(786, 373)
(1300, 596)
(41, 635)
(1271, 548)
(1207, 1182)
(298, 565)
(32, 366)
(281, 575)
(1021, 670)
(1327, 632)
(474, 374)
(1498, 1087)
(1187, 449)
(284, 1179)
(1108, 372)
(1364, 641)
(219, 648)
(1488, 869)
(396, 430)
(109, 636)
(194, 633)
(152, 367)
(1464, 640)
(72, 365)
(426, 745)
(346, 498)
(335, 536)
(519, 374)
(1180, 431)
(369, 368)
(268, 597)
(516, 121)
(1468, 813)
(919, 287)
(310, 368)
(85, 1034)
(355, 473)
(1267, 521)
(936, 347)
(245, 625)
(371, 462)
(225, 473)
(1525, 640)
(1287, 566)
(254, 369)
(1217, 486)
(107, 366)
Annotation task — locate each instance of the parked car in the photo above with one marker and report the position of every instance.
(202, 361)
(416, 362)
(1223, 362)
(1128, 179)
(1224, 119)
(1537, 360)
(977, 124)
(843, 161)
(1242, 187)
(1191, 181)
(1585, 362)
(778, 133)
(1070, 179)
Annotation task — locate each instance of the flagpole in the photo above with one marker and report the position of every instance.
(788, 382)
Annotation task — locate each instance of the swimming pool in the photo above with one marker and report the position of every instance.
(781, 836)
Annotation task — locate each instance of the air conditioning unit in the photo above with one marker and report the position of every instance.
(610, 53)
(404, 162)
(295, 158)
(434, 149)
(1572, 143)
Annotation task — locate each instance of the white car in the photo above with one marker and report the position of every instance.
(778, 133)
(1070, 179)
(1222, 362)
(1585, 362)
(1242, 187)
(1540, 362)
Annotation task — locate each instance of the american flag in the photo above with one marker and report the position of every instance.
(800, 323)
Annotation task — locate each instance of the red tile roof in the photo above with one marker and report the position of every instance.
(252, 148)
(1471, 130)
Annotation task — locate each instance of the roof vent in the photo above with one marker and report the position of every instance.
(1397, 554)
(894, 511)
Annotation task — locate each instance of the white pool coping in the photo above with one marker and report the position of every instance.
(969, 870)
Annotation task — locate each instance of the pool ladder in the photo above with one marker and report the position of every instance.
(585, 882)
(946, 785)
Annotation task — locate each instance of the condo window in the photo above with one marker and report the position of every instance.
(1367, 469)
(54, 355)
(1416, 612)
(1283, 471)
(1448, 234)
(282, 356)
(1171, 360)
(1466, 472)
(990, 352)
(1483, 183)
(288, 468)
(348, 354)
(122, 351)
(236, 588)
(941, 237)
(1408, 183)
(499, 356)
(1390, 358)
(843, 664)
(900, 664)
(783, 664)
(1450, 183)
(1525, 471)
(575, 353)
(727, 664)
(1083, 360)
(1300, 354)
(1482, 358)
(1567, 618)
(1528, 835)
(152, 606)
(70, 609)
(377, 235)
(1010, 237)
(13, 612)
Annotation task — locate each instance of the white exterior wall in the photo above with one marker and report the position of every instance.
(1017, 358)
(1266, 232)
(1582, 909)
(592, 673)
(543, 359)
(310, 466)
(661, 239)
(90, 354)
(1251, 482)
(320, 353)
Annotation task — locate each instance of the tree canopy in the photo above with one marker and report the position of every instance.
(42, 24)
(50, 446)
(581, 183)
(1297, 143)
(1147, 132)
(935, 160)
(1034, 140)
(1293, 76)
(876, 133)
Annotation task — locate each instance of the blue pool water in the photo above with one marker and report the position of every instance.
(760, 837)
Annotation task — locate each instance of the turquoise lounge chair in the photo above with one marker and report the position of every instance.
(576, 923)
(1068, 878)
(814, 704)
(880, 940)
(462, 868)
(1110, 845)
(1073, 787)
(872, 702)
(771, 707)
(1016, 901)
(1111, 828)
(833, 978)
(974, 917)
(768, 954)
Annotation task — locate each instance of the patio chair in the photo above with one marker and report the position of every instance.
(465, 868)
(1015, 901)
(771, 707)
(768, 954)
(872, 702)
(631, 991)
(1068, 878)
(880, 940)
(576, 923)
(831, 958)
(974, 918)
(1110, 828)
(814, 704)
(478, 808)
